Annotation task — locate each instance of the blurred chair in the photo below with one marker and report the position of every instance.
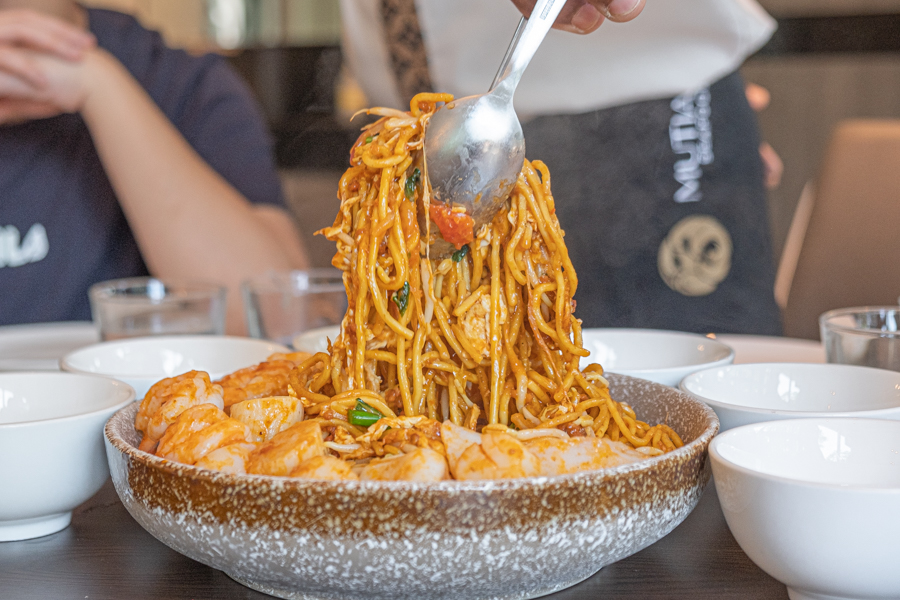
(843, 247)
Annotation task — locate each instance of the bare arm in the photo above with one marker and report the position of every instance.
(189, 222)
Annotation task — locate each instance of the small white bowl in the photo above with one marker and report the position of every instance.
(815, 503)
(51, 444)
(754, 393)
(316, 340)
(661, 356)
(141, 362)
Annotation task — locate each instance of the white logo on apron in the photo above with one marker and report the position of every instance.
(32, 249)
(691, 133)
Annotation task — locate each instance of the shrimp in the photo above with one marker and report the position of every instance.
(496, 456)
(558, 456)
(294, 357)
(195, 418)
(169, 398)
(228, 459)
(198, 444)
(325, 467)
(422, 464)
(269, 378)
(456, 439)
(268, 416)
(287, 450)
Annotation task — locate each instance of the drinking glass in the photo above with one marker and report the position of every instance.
(865, 335)
(281, 305)
(141, 306)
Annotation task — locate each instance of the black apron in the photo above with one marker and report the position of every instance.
(665, 213)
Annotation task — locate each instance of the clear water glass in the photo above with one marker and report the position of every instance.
(279, 306)
(865, 335)
(143, 306)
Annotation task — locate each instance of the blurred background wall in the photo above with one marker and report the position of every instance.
(830, 60)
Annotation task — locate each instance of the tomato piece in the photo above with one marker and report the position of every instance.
(458, 228)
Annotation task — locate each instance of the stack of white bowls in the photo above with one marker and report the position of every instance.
(52, 423)
(807, 470)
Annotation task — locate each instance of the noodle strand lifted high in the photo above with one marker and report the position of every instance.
(486, 338)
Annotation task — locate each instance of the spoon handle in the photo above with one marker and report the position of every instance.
(526, 43)
(509, 50)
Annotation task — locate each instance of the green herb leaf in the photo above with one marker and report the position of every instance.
(362, 418)
(412, 181)
(401, 297)
(362, 406)
(363, 415)
(460, 254)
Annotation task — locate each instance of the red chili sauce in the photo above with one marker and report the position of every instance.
(458, 228)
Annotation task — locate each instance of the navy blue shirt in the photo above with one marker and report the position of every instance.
(61, 227)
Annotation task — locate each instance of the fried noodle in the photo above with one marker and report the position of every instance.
(486, 338)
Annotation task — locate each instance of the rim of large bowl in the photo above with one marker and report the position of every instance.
(691, 448)
(115, 408)
(823, 320)
(66, 365)
(722, 438)
(775, 411)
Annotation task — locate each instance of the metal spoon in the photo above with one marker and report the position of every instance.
(474, 147)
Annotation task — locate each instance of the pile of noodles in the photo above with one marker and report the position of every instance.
(487, 337)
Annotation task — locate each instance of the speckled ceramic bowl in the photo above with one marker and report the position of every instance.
(519, 538)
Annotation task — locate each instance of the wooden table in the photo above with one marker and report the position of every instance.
(105, 554)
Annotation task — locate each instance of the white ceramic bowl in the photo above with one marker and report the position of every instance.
(815, 503)
(141, 362)
(661, 356)
(51, 447)
(753, 393)
(316, 340)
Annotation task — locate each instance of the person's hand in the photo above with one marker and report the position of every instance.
(585, 16)
(43, 33)
(63, 86)
(41, 66)
(773, 168)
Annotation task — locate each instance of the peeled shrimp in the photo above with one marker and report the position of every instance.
(495, 455)
(270, 378)
(456, 439)
(287, 450)
(195, 445)
(294, 357)
(195, 418)
(557, 456)
(422, 464)
(267, 416)
(228, 459)
(169, 398)
(325, 467)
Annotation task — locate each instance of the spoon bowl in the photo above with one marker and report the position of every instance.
(475, 149)
(474, 146)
